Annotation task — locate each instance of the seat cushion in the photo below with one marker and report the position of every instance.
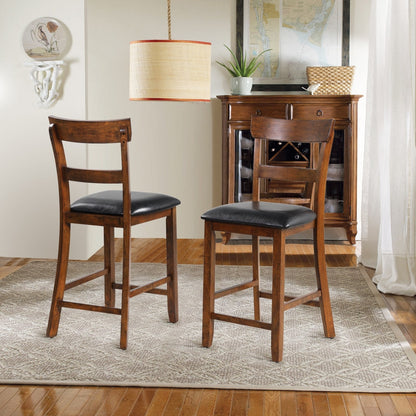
(111, 203)
(264, 214)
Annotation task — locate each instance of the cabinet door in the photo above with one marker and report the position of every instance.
(338, 198)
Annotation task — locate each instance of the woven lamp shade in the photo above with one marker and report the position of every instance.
(175, 70)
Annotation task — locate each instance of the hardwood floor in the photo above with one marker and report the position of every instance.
(88, 401)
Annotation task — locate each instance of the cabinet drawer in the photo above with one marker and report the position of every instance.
(244, 112)
(315, 112)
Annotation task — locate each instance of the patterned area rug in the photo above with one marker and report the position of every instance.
(369, 354)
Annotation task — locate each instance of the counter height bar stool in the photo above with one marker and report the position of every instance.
(109, 209)
(276, 220)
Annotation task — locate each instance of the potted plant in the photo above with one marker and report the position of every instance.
(242, 70)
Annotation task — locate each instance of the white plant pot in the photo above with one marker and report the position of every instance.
(241, 85)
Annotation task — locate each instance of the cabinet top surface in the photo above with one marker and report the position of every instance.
(287, 97)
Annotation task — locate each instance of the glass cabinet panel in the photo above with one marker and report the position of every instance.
(334, 198)
(244, 148)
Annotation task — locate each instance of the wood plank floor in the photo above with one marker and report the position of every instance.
(88, 401)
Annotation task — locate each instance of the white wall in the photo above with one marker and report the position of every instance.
(28, 185)
(176, 147)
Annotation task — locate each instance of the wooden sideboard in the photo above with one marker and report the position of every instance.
(341, 195)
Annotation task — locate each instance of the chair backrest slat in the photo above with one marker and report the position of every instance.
(92, 176)
(320, 135)
(288, 174)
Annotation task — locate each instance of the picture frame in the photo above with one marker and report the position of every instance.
(340, 51)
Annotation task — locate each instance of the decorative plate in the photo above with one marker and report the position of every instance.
(45, 39)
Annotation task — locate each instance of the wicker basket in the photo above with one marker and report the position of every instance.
(333, 80)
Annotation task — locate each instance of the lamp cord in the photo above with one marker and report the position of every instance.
(169, 21)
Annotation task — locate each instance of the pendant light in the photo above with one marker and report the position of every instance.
(173, 70)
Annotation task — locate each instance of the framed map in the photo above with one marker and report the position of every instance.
(300, 33)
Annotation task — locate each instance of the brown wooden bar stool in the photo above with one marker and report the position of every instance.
(109, 209)
(277, 220)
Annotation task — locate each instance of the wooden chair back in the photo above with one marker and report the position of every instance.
(318, 133)
(90, 132)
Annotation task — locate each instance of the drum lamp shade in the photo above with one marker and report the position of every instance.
(173, 70)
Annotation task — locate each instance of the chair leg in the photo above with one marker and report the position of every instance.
(125, 292)
(109, 277)
(209, 286)
(322, 281)
(172, 266)
(60, 279)
(256, 276)
(278, 295)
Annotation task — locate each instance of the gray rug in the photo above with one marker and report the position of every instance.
(369, 354)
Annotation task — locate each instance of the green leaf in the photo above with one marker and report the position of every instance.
(231, 71)
(242, 67)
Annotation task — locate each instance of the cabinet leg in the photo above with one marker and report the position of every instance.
(225, 237)
(351, 233)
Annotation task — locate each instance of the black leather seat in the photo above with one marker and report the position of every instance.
(111, 203)
(264, 214)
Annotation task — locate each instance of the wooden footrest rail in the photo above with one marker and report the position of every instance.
(93, 308)
(294, 301)
(150, 287)
(241, 321)
(236, 288)
(85, 279)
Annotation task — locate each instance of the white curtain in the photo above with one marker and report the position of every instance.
(389, 184)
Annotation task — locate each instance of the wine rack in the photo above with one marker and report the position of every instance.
(286, 154)
(297, 153)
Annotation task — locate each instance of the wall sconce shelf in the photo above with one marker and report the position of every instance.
(47, 77)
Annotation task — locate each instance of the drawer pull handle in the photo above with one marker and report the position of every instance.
(258, 112)
(319, 113)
